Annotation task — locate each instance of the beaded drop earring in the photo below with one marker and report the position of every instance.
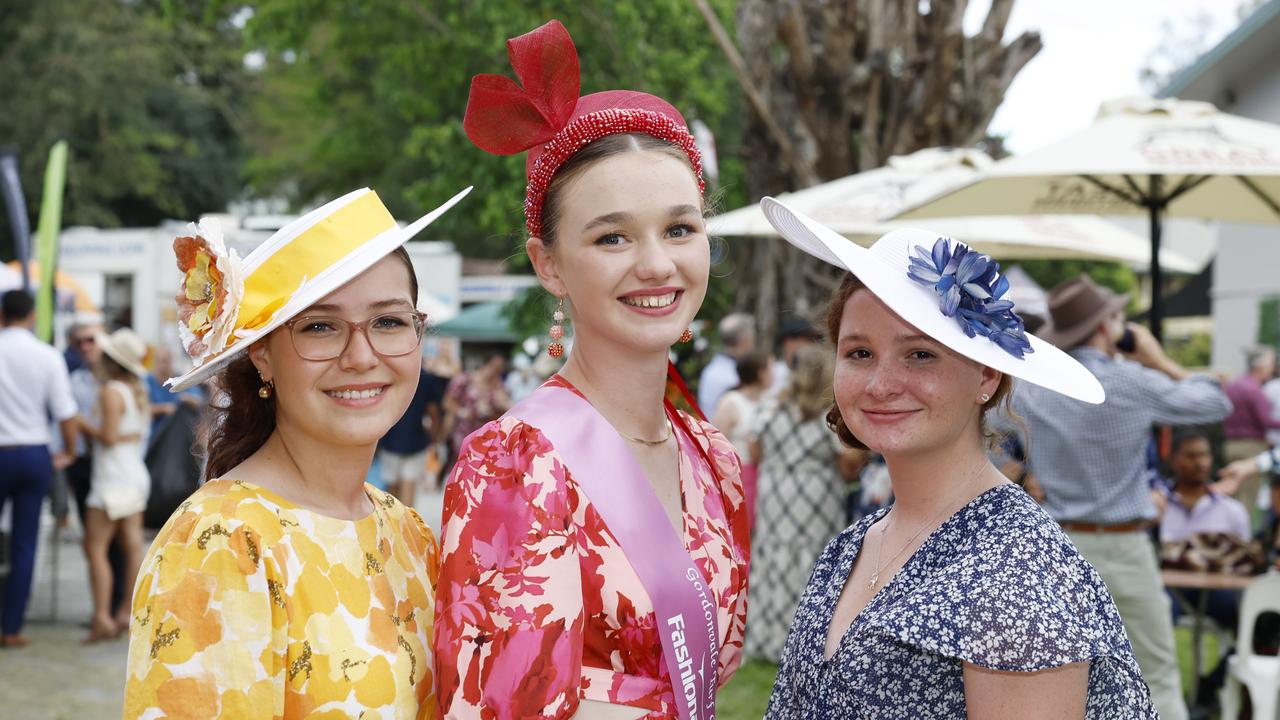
(556, 348)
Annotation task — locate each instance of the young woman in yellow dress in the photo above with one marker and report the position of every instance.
(286, 587)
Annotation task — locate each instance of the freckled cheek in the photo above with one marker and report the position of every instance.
(849, 385)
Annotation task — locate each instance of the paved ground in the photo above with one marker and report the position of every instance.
(56, 677)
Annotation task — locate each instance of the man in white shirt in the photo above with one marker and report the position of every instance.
(737, 338)
(33, 390)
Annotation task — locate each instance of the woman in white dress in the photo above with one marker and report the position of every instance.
(735, 415)
(119, 484)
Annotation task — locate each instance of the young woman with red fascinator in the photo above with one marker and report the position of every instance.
(594, 545)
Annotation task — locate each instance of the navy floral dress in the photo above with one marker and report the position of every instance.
(997, 585)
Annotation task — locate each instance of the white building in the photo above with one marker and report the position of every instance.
(1240, 75)
(130, 273)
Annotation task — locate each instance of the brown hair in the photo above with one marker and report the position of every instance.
(240, 424)
(835, 313)
(589, 155)
(751, 366)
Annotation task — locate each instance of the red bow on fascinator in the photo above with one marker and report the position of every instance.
(547, 118)
(502, 117)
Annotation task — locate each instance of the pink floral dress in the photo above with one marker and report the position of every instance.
(537, 606)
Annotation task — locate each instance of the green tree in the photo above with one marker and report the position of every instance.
(143, 92)
(373, 94)
(1116, 276)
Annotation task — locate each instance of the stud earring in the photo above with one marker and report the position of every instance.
(686, 336)
(984, 398)
(556, 349)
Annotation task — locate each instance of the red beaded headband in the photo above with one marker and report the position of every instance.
(549, 119)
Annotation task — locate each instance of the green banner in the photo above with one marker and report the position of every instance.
(47, 231)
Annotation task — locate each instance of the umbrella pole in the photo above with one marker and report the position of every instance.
(1155, 206)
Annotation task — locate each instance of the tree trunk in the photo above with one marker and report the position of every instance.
(851, 83)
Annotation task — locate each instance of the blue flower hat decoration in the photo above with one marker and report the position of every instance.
(949, 292)
(972, 290)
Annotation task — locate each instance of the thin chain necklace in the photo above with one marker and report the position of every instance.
(650, 443)
(875, 575)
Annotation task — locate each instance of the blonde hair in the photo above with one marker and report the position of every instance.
(809, 386)
(112, 370)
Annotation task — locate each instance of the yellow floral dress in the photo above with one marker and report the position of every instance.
(248, 606)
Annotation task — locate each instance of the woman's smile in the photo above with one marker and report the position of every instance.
(654, 301)
(358, 396)
(881, 416)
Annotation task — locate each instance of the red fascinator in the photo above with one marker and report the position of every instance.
(548, 118)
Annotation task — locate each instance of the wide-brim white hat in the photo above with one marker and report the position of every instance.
(883, 269)
(233, 303)
(126, 348)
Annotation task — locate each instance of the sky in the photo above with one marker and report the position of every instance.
(1092, 51)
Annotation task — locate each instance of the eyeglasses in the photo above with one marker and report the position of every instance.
(325, 338)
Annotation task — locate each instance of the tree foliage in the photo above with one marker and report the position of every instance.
(373, 94)
(145, 94)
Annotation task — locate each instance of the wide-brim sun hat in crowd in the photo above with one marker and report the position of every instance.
(126, 348)
(946, 291)
(1077, 307)
(226, 303)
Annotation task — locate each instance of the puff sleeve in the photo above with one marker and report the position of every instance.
(509, 601)
(208, 635)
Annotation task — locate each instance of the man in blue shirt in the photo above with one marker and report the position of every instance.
(164, 401)
(1091, 462)
(737, 338)
(402, 452)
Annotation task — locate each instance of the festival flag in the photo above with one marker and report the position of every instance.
(47, 232)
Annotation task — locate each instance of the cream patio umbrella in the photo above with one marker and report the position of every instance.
(855, 206)
(1140, 157)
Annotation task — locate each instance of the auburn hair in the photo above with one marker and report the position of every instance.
(835, 314)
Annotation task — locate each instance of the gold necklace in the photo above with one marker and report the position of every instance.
(650, 443)
(875, 574)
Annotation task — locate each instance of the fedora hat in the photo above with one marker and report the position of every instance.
(126, 348)
(796, 326)
(1076, 307)
(225, 303)
(947, 291)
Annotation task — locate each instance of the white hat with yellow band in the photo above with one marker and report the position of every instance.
(226, 303)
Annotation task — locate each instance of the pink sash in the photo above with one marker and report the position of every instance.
(602, 464)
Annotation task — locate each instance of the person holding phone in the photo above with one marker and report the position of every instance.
(1091, 461)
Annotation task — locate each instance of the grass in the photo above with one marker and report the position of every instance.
(747, 694)
(1208, 651)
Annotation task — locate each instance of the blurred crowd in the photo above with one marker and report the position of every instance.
(126, 452)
